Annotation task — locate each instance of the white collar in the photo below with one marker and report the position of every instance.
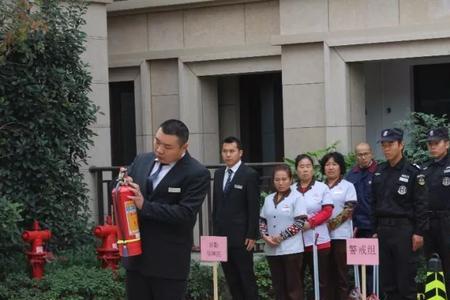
(174, 162)
(235, 167)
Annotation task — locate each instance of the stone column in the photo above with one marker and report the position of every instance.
(96, 56)
(344, 101)
(303, 98)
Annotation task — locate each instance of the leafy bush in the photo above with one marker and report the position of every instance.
(72, 274)
(350, 160)
(9, 233)
(416, 127)
(75, 282)
(264, 279)
(44, 117)
(200, 282)
(85, 255)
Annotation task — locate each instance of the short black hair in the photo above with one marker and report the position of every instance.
(282, 167)
(177, 128)
(232, 139)
(337, 157)
(303, 156)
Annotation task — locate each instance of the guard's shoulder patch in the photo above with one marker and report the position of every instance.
(417, 166)
(421, 179)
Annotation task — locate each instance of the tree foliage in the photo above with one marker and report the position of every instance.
(45, 115)
(416, 126)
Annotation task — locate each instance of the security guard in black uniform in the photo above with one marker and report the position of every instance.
(399, 199)
(437, 172)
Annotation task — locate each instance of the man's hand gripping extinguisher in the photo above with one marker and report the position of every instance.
(129, 238)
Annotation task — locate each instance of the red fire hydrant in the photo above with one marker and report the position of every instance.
(36, 255)
(108, 253)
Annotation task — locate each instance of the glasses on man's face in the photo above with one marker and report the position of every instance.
(364, 154)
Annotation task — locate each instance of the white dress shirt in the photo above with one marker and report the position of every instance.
(234, 169)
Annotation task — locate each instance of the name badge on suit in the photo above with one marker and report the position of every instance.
(174, 190)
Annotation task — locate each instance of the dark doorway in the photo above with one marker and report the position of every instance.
(432, 89)
(261, 117)
(123, 122)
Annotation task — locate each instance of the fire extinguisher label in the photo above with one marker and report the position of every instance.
(132, 218)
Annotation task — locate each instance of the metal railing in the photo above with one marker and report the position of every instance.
(105, 175)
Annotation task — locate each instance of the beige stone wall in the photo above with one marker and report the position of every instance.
(97, 58)
(318, 45)
(309, 16)
(346, 33)
(204, 27)
(303, 98)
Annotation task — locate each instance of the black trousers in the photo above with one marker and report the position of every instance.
(140, 287)
(398, 263)
(286, 276)
(339, 283)
(239, 274)
(437, 240)
(324, 271)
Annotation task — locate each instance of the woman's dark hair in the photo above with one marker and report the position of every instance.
(337, 157)
(282, 167)
(303, 156)
(177, 128)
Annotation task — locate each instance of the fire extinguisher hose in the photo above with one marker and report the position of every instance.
(124, 242)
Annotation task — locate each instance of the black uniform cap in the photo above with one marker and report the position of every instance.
(437, 134)
(391, 134)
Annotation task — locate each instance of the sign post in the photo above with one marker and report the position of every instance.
(214, 249)
(363, 252)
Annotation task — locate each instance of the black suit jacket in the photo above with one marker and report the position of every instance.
(168, 216)
(236, 212)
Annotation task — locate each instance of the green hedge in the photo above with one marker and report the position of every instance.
(75, 282)
(71, 274)
(76, 274)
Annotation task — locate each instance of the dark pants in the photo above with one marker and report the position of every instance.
(140, 287)
(398, 263)
(339, 285)
(437, 240)
(324, 271)
(366, 233)
(239, 274)
(286, 275)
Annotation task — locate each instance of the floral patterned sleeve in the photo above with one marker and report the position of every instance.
(295, 228)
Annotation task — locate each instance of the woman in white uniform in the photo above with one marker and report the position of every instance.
(319, 206)
(343, 194)
(281, 221)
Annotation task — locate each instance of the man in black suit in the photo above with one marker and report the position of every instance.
(236, 216)
(169, 187)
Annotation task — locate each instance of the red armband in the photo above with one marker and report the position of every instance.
(322, 216)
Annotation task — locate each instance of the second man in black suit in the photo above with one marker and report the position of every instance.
(236, 216)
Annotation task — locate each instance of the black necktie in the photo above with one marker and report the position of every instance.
(152, 178)
(228, 183)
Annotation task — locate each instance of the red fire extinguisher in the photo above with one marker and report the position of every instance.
(129, 238)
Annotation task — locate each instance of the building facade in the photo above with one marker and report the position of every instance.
(287, 76)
